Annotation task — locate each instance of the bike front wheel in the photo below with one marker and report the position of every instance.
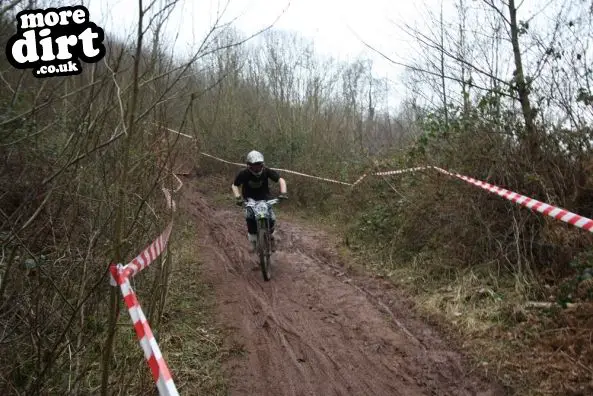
(264, 250)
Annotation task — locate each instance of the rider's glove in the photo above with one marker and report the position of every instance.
(282, 196)
(239, 201)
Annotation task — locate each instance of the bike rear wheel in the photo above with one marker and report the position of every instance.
(264, 250)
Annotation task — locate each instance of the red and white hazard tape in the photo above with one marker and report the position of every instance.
(397, 172)
(282, 170)
(179, 181)
(152, 353)
(149, 254)
(168, 199)
(313, 177)
(359, 180)
(120, 276)
(221, 160)
(535, 205)
(530, 203)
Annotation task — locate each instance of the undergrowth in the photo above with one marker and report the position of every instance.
(533, 350)
(191, 340)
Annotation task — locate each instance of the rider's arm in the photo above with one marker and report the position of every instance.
(235, 186)
(282, 185)
(275, 176)
(236, 191)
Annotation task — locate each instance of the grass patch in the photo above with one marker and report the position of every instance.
(531, 351)
(191, 342)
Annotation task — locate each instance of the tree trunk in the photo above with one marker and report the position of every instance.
(522, 88)
(443, 83)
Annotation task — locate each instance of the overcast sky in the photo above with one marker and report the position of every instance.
(333, 24)
(326, 21)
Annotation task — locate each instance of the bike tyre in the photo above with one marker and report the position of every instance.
(263, 243)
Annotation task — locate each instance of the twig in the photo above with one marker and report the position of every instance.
(118, 88)
(576, 361)
(544, 304)
(37, 211)
(201, 336)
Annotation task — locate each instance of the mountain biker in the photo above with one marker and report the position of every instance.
(254, 184)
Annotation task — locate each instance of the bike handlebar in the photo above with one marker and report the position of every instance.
(271, 201)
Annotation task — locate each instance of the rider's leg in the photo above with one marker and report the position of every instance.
(272, 221)
(251, 233)
(252, 238)
(251, 229)
(272, 228)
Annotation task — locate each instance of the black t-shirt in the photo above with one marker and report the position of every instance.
(256, 187)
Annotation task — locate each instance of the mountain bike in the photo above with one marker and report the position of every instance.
(260, 210)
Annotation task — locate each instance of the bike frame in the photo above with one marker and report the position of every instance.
(260, 210)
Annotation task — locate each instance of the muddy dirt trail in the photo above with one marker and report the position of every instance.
(314, 330)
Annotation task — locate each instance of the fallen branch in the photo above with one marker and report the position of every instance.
(543, 304)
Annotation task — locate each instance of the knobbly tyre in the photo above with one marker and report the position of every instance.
(260, 210)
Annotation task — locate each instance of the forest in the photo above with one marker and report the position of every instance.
(496, 93)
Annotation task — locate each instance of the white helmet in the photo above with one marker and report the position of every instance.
(255, 162)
